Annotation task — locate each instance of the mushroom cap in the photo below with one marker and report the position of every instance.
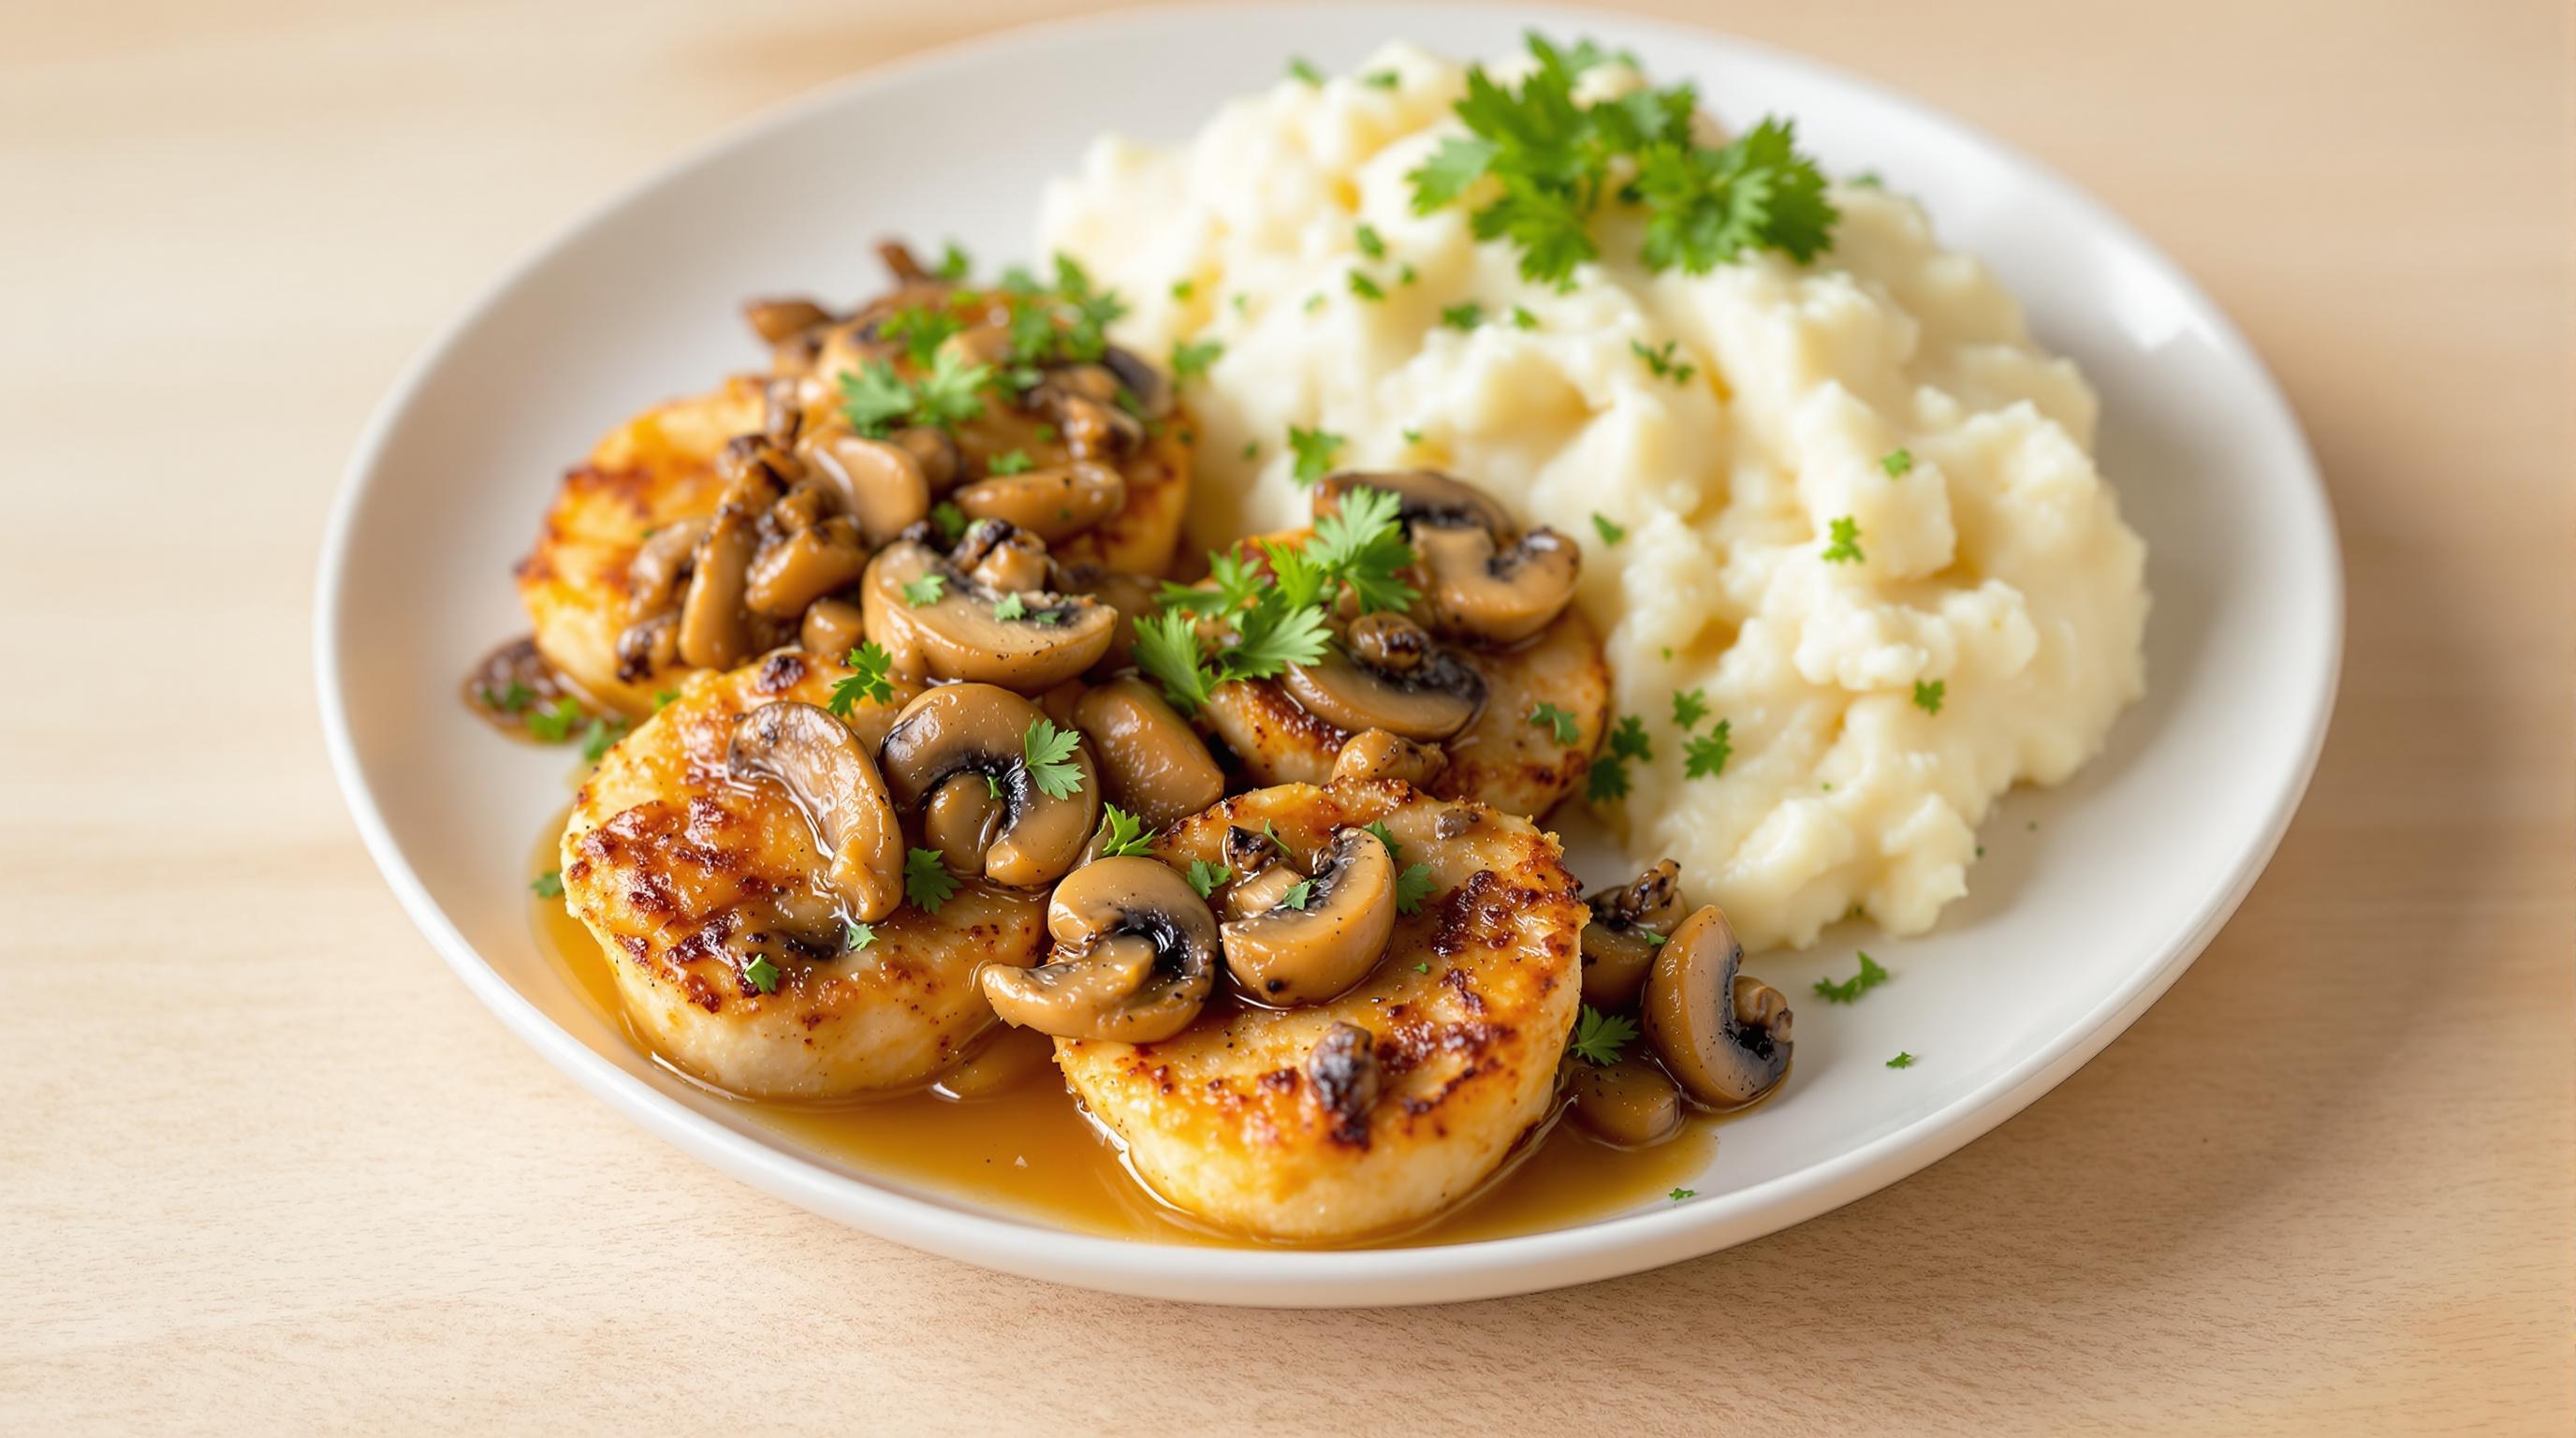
(1436, 699)
(1630, 922)
(1154, 763)
(1718, 1034)
(1380, 754)
(1284, 957)
(828, 776)
(1423, 496)
(1631, 1103)
(715, 632)
(1053, 504)
(956, 636)
(981, 728)
(878, 483)
(1135, 957)
(1482, 589)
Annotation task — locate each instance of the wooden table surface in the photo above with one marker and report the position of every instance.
(271, 1168)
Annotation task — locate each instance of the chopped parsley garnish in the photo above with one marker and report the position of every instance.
(1463, 316)
(921, 332)
(1705, 758)
(856, 936)
(1362, 544)
(1412, 436)
(1556, 721)
(1896, 462)
(1869, 180)
(1013, 462)
(1869, 977)
(1411, 888)
(1381, 79)
(1010, 606)
(954, 265)
(1371, 243)
(664, 699)
(1598, 1037)
(602, 735)
(1845, 548)
(1183, 289)
(1122, 834)
(1048, 753)
(1689, 707)
(1928, 694)
(1606, 782)
(1422, 968)
(1627, 743)
(509, 701)
(924, 590)
(1190, 359)
(549, 885)
(761, 974)
(1366, 288)
(554, 723)
(876, 400)
(1665, 363)
(950, 519)
(1298, 896)
(1405, 274)
(1385, 836)
(1677, 1195)
(1206, 877)
(926, 881)
(868, 665)
(1314, 449)
(1610, 533)
(1903, 1060)
(1551, 160)
(1301, 68)
(1522, 319)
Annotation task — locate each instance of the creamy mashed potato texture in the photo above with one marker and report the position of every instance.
(1983, 626)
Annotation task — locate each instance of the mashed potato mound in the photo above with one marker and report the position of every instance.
(1890, 382)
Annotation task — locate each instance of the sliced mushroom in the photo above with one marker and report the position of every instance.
(881, 484)
(831, 780)
(1135, 957)
(756, 473)
(648, 647)
(1145, 385)
(956, 636)
(961, 820)
(1723, 1036)
(1629, 924)
(660, 565)
(1154, 764)
(832, 628)
(935, 450)
(1501, 595)
(714, 632)
(1260, 889)
(1053, 504)
(781, 418)
(799, 568)
(1343, 1069)
(1002, 557)
(1436, 700)
(1248, 852)
(1082, 401)
(1286, 956)
(1423, 497)
(1631, 1103)
(1389, 643)
(981, 729)
(1380, 754)
(777, 321)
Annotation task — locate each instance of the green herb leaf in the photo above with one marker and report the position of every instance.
(856, 936)
(1381, 79)
(664, 699)
(1014, 462)
(1207, 878)
(1362, 543)
(926, 881)
(1903, 1060)
(1522, 319)
(1706, 758)
(873, 397)
(920, 331)
(761, 974)
(1122, 834)
(554, 723)
(1664, 362)
(602, 734)
(1689, 707)
(1385, 836)
(1371, 243)
(1607, 780)
(1298, 896)
(511, 700)
(1929, 693)
(1845, 548)
(868, 664)
(1048, 753)
(1556, 721)
(1677, 1195)
(1301, 68)
(1869, 977)
(953, 263)
(1191, 359)
(1314, 449)
(1628, 739)
(1598, 1037)
(1010, 606)
(549, 885)
(1412, 887)
(1896, 462)
(1610, 533)
(1463, 316)
(1365, 288)
(924, 590)
(1167, 647)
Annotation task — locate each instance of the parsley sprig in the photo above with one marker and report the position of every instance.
(1048, 754)
(1598, 1037)
(926, 880)
(868, 666)
(1537, 166)
(1627, 743)
(1871, 975)
(1122, 834)
(877, 401)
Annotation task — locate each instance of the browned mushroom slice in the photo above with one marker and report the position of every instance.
(756, 473)
(1002, 558)
(1380, 754)
(648, 647)
(832, 628)
(1436, 699)
(1053, 504)
(1423, 496)
(983, 730)
(961, 821)
(1723, 1036)
(1321, 935)
(1154, 763)
(1501, 595)
(953, 632)
(828, 776)
(661, 564)
(777, 321)
(1631, 1103)
(714, 632)
(1146, 387)
(935, 450)
(1343, 1070)
(803, 566)
(881, 484)
(1629, 924)
(1135, 957)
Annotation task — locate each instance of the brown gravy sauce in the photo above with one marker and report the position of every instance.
(1030, 1150)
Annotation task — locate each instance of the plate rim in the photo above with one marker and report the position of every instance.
(1278, 1277)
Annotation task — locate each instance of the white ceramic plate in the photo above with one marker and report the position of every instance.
(2075, 925)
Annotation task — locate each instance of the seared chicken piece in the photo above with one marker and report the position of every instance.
(1385, 1101)
(725, 864)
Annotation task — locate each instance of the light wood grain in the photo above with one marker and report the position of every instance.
(267, 1165)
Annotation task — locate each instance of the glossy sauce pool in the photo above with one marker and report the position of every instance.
(1030, 1150)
